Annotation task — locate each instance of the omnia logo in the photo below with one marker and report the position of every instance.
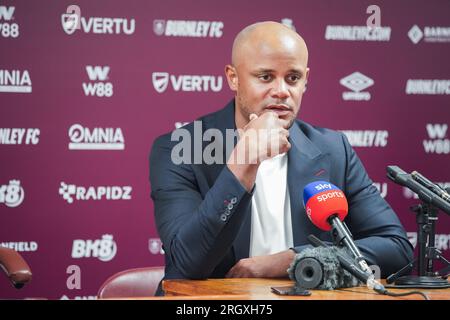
(104, 249)
(11, 194)
(82, 138)
(15, 81)
(99, 85)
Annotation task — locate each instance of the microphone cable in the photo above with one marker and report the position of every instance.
(402, 294)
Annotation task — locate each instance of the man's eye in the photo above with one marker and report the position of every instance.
(293, 78)
(265, 77)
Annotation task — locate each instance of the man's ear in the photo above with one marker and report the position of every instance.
(306, 79)
(232, 78)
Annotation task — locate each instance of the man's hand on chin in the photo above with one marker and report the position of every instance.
(270, 266)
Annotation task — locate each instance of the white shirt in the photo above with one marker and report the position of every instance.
(271, 228)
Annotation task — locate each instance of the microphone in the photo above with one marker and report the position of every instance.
(430, 185)
(323, 268)
(320, 268)
(326, 207)
(401, 177)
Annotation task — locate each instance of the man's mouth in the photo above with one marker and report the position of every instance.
(280, 109)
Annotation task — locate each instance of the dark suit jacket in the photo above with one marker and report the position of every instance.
(203, 238)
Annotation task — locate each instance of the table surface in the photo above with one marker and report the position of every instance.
(259, 289)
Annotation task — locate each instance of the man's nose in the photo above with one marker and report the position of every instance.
(280, 89)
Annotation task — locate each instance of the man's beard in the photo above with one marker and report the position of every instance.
(246, 112)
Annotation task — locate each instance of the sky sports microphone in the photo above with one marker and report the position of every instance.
(326, 207)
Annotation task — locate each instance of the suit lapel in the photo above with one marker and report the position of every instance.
(306, 164)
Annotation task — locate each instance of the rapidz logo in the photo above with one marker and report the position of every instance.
(415, 34)
(356, 82)
(94, 193)
(67, 191)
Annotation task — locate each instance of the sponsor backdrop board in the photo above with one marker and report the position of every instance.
(80, 105)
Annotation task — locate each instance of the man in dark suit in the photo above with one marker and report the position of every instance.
(245, 218)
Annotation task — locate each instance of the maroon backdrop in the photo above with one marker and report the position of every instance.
(80, 108)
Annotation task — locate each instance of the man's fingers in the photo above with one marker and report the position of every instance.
(285, 132)
(253, 116)
(284, 123)
(231, 272)
(287, 146)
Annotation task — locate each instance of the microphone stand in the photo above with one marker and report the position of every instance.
(426, 218)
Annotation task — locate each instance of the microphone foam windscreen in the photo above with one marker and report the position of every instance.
(319, 268)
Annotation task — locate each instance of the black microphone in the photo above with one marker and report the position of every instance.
(401, 177)
(431, 185)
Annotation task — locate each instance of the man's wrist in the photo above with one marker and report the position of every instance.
(282, 262)
(243, 168)
(246, 174)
